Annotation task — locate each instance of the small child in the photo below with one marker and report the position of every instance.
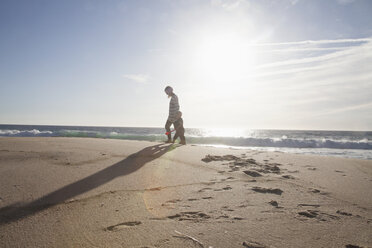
(180, 131)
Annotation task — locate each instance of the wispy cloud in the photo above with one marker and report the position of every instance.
(313, 42)
(304, 49)
(349, 65)
(139, 78)
(328, 53)
(294, 62)
(327, 84)
(355, 107)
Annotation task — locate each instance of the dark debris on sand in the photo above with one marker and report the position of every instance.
(236, 163)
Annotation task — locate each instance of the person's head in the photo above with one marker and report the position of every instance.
(169, 91)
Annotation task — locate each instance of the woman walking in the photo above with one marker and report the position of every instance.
(173, 117)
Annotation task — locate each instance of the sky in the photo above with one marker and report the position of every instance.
(269, 64)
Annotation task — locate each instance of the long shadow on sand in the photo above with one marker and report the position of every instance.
(132, 163)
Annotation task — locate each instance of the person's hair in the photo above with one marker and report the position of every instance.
(168, 88)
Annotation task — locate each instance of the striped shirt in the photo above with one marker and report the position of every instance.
(174, 107)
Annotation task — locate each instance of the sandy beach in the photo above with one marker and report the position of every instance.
(86, 192)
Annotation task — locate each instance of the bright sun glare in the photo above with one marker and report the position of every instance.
(221, 57)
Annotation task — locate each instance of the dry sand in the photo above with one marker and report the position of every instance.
(82, 192)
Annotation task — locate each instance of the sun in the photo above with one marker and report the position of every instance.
(223, 56)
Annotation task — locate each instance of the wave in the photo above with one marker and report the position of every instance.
(24, 133)
(283, 142)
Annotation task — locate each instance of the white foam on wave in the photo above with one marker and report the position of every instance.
(14, 132)
(36, 132)
(9, 132)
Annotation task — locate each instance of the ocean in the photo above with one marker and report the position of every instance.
(347, 144)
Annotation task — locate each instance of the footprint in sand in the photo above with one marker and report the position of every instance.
(123, 225)
(317, 191)
(343, 213)
(226, 208)
(204, 189)
(318, 215)
(309, 213)
(250, 181)
(308, 205)
(267, 190)
(170, 203)
(192, 199)
(225, 188)
(274, 203)
(252, 173)
(252, 244)
(238, 218)
(223, 217)
(288, 177)
(191, 215)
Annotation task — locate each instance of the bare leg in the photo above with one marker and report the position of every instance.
(167, 128)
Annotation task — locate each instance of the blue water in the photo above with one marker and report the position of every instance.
(347, 144)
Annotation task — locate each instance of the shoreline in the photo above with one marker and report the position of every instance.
(111, 192)
(349, 144)
(324, 152)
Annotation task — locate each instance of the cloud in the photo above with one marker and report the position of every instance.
(367, 105)
(314, 42)
(326, 85)
(139, 78)
(333, 51)
(305, 49)
(294, 62)
(349, 65)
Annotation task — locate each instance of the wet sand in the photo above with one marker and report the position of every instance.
(83, 192)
